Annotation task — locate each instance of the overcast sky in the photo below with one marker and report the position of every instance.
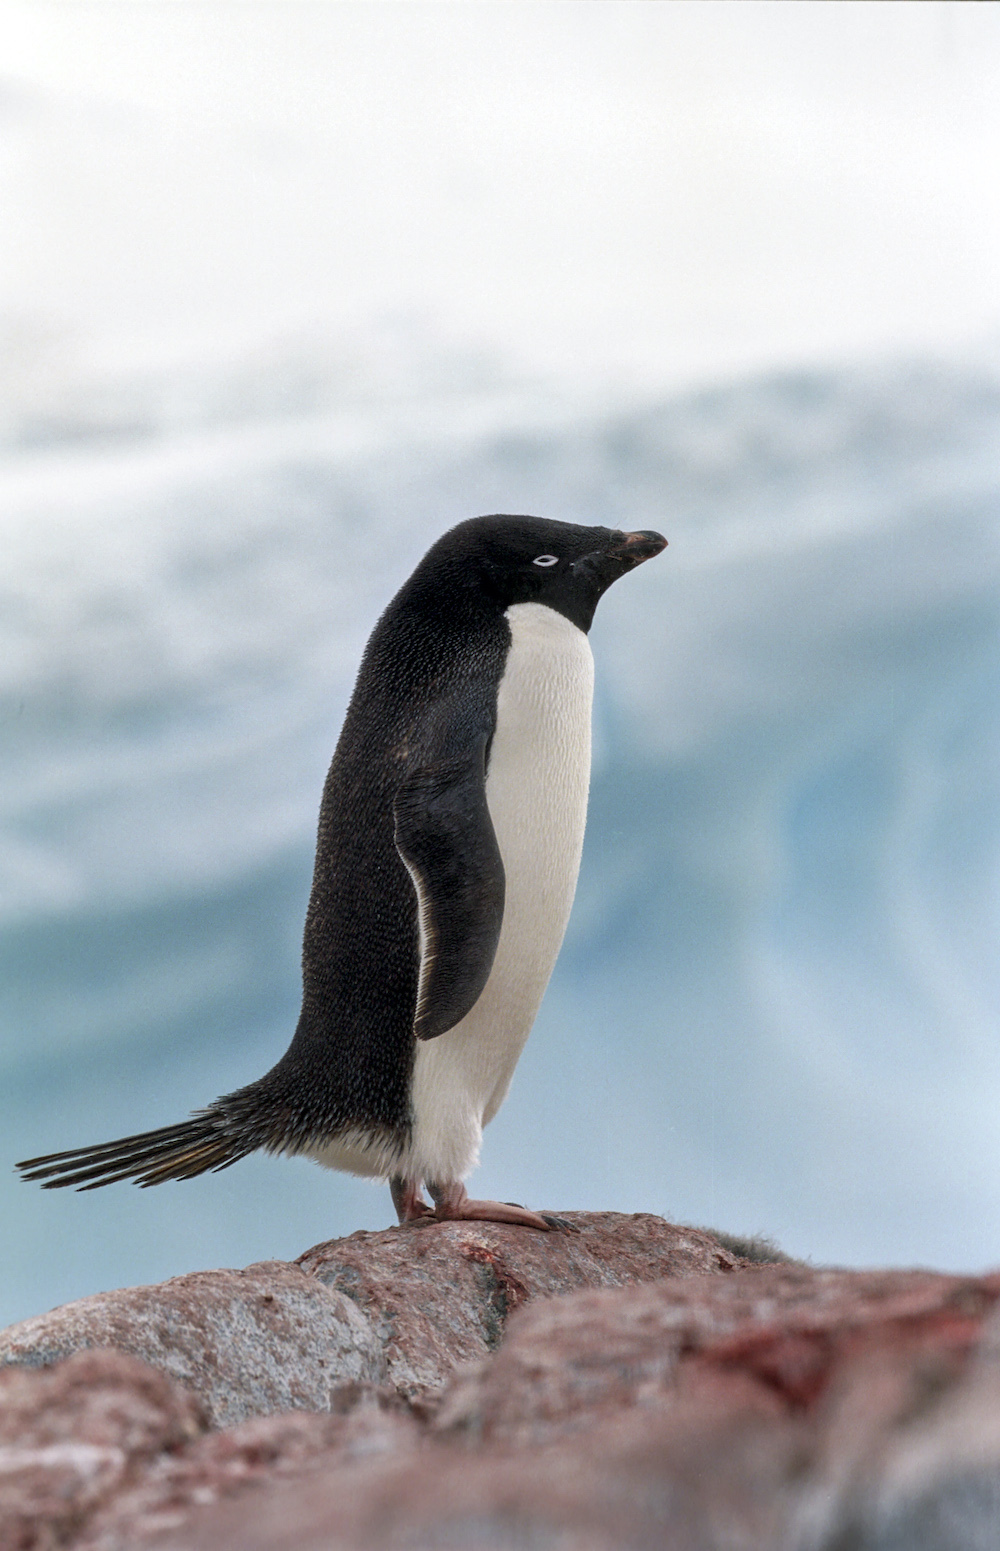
(654, 191)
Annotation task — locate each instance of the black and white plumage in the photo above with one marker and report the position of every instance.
(449, 842)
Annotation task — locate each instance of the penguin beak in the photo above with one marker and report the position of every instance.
(622, 554)
(633, 548)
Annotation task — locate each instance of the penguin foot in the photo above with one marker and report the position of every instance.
(452, 1204)
(409, 1203)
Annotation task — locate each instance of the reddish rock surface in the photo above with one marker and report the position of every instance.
(440, 1294)
(403, 1306)
(247, 1343)
(241, 1462)
(778, 1409)
(73, 1436)
(780, 1331)
(630, 1386)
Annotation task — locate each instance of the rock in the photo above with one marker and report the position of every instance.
(260, 1453)
(628, 1386)
(247, 1343)
(441, 1294)
(778, 1407)
(73, 1435)
(782, 1330)
(402, 1306)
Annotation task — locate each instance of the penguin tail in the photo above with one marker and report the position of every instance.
(204, 1142)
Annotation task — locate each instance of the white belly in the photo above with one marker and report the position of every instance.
(536, 791)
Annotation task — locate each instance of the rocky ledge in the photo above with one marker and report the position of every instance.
(471, 1386)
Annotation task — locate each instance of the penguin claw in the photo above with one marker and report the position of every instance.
(562, 1224)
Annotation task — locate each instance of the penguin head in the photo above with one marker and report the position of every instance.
(506, 560)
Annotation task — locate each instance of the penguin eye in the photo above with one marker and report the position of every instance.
(546, 560)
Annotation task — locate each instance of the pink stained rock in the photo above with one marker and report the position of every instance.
(629, 1387)
(247, 1343)
(399, 1307)
(73, 1436)
(441, 1294)
(782, 1330)
(248, 1460)
(777, 1409)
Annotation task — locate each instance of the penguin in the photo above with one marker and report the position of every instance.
(449, 841)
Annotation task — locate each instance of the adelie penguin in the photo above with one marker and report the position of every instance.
(449, 842)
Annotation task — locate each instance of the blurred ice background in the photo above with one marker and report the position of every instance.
(286, 290)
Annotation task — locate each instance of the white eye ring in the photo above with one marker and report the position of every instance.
(546, 560)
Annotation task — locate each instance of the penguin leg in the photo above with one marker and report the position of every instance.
(406, 1198)
(452, 1204)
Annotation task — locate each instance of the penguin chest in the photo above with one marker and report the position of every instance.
(536, 792)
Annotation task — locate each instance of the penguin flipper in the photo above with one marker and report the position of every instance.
(445, 837)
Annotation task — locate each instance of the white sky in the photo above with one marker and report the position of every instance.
(660, 190)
